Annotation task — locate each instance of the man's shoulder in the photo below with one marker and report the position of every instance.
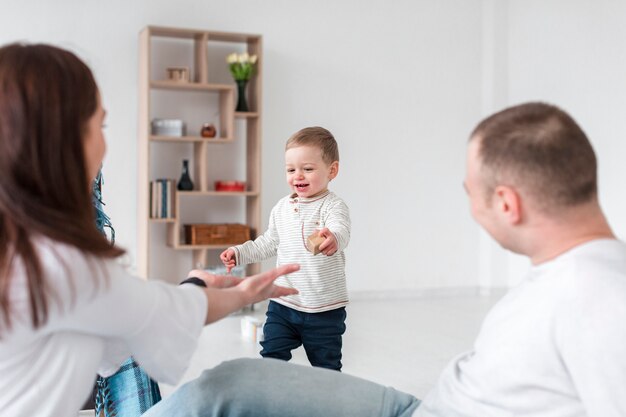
(601, 256)
(591, 294)
(596, 268)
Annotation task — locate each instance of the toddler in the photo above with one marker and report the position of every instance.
(315, 317)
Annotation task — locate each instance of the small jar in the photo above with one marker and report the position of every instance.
(208, 130)
(178, 74)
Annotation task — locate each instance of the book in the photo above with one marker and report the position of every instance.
(163, 198)
(153, 199)
(158, 198)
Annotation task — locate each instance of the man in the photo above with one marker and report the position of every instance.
(552, 347)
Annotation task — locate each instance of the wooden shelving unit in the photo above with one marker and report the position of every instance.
(249, 125)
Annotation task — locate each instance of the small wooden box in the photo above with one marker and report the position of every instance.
(178, 74)
(216, 234)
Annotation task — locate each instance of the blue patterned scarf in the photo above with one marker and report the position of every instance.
(129, 392)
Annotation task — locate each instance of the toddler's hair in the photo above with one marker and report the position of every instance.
(318, 137)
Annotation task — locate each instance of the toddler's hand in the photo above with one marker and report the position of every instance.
(228, 259)
(329, 246)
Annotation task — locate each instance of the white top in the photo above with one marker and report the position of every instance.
(321, 279)
(555, 346)
(97, 323)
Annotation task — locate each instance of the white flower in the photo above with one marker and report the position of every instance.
(241, 65)
(232, 58)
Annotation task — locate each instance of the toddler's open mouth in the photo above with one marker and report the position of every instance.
(300, 186)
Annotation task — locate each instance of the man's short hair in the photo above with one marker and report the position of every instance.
(318, 137)
(540, 149)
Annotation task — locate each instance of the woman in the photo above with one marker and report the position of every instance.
(67, 309)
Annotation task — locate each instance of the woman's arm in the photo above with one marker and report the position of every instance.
(227, 294)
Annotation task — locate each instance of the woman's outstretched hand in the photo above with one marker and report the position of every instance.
(227, 294)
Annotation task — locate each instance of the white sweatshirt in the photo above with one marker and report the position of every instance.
(321, 279)
(100, 316)
(555, 346)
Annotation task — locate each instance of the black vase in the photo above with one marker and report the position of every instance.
(242, 104)
(185, 183)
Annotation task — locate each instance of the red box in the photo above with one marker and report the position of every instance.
(230, 186)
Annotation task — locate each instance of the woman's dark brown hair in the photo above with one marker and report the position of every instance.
(47, 96)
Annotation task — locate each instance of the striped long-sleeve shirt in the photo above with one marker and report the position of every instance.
(321, 280)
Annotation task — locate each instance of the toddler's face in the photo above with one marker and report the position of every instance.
(307, 173)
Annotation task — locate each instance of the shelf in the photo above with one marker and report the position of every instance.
(189, 139)
(217, 193)
(190, 86)
(159, 31)
(246, 115)
(161, 47)
(192, 247)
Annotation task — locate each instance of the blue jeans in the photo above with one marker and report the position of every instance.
(319, 333)
(268, 387)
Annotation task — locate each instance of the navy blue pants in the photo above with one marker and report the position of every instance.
(319, 333)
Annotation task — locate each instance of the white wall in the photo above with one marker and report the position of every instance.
(570, 53)
(399, 83)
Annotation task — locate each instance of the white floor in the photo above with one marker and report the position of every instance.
(402, 343)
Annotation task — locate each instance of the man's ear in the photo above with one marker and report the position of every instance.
(508, 203)
(334, 170)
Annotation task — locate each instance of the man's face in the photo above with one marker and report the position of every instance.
(480, 198)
